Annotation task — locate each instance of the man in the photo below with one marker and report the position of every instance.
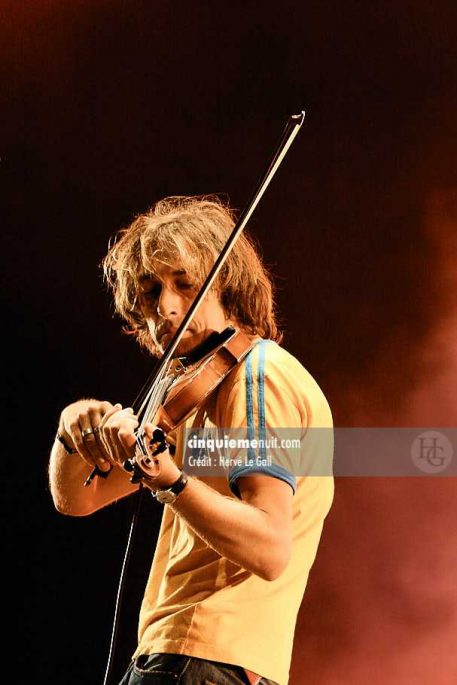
(234, 553)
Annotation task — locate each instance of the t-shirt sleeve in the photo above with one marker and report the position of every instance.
(260, 408)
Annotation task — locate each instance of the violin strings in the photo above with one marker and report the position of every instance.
(154, 398)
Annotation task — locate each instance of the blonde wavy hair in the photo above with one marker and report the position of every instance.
(190, 232)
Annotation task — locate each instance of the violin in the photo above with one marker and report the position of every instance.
(181, 385)
(188, 393)
(189, 382)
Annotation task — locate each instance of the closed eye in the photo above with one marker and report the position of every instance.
(184, 285)
(151, 289)
(151, 293)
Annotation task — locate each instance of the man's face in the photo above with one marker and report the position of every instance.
(164, 302)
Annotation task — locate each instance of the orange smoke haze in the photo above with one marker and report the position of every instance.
(381, 605)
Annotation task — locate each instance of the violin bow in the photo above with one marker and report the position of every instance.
(290, 131)
(292, 127)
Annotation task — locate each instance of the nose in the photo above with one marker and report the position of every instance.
(168, 305)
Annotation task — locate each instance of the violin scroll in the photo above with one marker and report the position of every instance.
(143, 466)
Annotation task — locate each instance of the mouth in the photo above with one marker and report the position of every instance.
(164, 329)
(169, 333)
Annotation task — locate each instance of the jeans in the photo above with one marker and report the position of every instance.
(180, 669)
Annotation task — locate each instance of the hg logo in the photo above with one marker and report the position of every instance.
(431, 452)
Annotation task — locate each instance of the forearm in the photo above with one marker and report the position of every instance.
(235, 529)
(67, 473)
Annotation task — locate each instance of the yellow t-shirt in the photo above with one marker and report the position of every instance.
(201, 604)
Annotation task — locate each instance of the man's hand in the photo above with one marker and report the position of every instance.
(102, 433)
(104, 436)
(160, 468)
(117, 434)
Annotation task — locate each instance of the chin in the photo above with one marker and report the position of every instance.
(185, 347)
(188, 344)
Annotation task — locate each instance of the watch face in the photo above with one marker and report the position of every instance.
(165, 496)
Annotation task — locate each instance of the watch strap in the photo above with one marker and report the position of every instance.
(176, 487)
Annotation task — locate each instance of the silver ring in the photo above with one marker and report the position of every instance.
(88, 431)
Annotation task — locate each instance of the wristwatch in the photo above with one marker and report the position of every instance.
(169, 495)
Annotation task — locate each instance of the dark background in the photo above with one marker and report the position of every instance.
(109, 106)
